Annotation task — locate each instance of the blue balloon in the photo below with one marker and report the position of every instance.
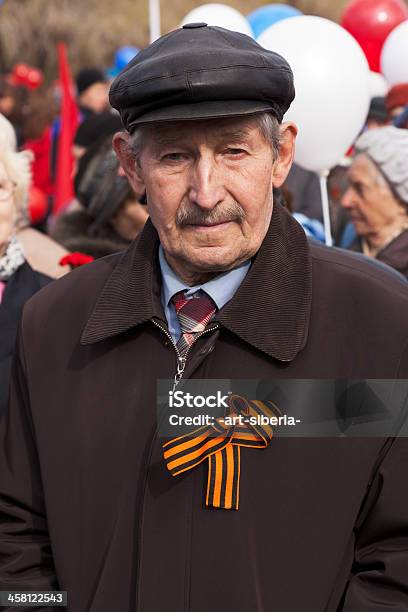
(123, 56)
(267, 15)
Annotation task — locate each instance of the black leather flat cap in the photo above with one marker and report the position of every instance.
(202, 72)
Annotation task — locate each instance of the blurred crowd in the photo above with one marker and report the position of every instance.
(368, 194)
(368, 189)
(105, 214)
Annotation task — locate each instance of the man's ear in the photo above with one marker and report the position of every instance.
(286, 153)
(122, 147)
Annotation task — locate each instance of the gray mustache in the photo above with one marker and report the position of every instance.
(193, 215)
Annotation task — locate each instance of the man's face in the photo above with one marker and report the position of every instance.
(369, 199)
(209, 190)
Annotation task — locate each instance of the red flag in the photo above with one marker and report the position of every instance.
(64, 187)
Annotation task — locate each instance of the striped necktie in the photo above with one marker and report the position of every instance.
(193, 314)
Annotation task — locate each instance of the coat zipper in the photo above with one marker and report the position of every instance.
(181, 364)
(181, 361)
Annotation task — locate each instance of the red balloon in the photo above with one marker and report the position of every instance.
(370, 22)
(22, 74)
(20, 71)
(37, 205)
(34, 78)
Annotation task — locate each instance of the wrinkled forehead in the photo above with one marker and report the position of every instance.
(232, 128)
(366, 171)
(363, 167)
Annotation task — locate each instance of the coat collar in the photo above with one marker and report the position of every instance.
(270, 310)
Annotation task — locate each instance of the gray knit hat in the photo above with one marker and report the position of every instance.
(387, 147)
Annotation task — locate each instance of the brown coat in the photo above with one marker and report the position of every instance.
(86, 503)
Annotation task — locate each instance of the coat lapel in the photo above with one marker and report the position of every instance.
(131, 295)
(270, 310)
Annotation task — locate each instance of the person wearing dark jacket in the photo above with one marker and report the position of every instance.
(221, 285)
(377, 196)
(20, 286)
(92, 89)
(304, 189)
(18, 281)
(109, 214)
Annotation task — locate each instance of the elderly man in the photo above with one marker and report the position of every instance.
(377, 196)
(221, 284)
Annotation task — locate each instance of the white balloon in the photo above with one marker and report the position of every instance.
(394, 56)
(219, 15)
(378, 85)
(332, 87)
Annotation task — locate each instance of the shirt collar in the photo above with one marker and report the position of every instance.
(220, 289)
(276, 291)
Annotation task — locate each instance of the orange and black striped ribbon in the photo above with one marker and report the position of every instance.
(221, 443)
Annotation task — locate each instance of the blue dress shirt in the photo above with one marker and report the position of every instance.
(220, 289)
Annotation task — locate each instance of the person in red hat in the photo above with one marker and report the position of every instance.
(396, 100)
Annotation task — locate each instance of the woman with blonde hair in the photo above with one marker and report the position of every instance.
(18, 281)
(42, 253)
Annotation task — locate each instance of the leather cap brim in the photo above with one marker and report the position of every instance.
(211, 109)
